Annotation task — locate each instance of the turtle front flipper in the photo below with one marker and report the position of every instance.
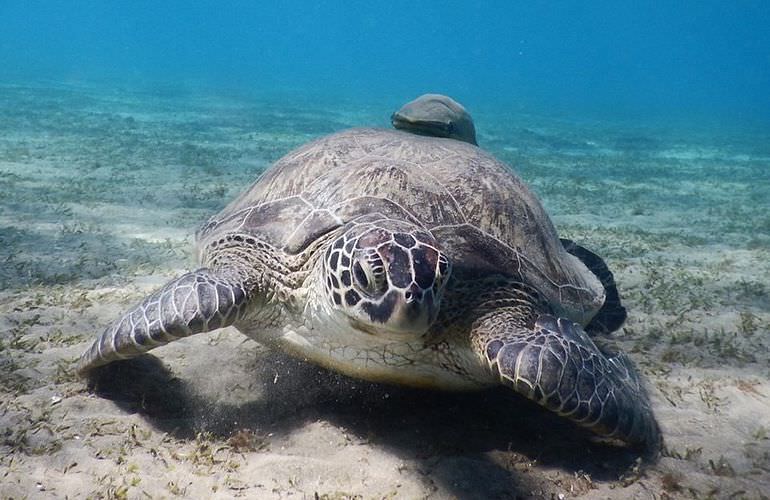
(196, 302)
(557, 365)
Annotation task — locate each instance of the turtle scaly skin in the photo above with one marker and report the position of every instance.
(196, 302)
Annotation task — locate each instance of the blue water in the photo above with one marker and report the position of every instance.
(691, 62)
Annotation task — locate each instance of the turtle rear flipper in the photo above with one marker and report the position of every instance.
(195, 302)
(612, 315)
(557, 365)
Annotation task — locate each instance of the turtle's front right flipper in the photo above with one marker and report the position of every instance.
(196, 302)
(554, 363)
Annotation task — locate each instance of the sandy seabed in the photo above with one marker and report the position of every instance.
(101, 191)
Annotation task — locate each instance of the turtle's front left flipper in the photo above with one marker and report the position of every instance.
(196, 302)
(554, 363)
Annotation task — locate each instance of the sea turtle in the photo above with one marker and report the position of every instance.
(408, 259)
(436, 115)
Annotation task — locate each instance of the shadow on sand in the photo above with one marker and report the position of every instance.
(473, 445)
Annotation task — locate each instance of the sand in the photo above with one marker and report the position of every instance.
(103, 188)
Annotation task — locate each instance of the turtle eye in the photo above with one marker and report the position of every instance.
(369, 273)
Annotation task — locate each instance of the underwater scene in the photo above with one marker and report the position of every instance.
(130, 134)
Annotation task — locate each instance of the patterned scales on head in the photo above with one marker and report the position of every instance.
(405, 258)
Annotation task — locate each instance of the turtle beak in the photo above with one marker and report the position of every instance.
(414, 311)
(404, 313)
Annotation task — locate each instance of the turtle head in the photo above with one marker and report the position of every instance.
(436, 115)
(386, 278)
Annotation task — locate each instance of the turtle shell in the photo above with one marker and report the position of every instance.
(483, 216)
